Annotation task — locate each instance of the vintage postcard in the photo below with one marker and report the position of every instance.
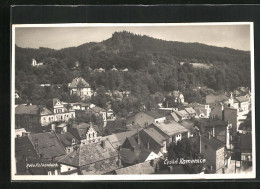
(133, 101)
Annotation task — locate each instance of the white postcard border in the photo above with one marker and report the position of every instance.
(130, 177)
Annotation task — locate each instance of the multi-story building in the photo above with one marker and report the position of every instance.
(218, 128)
(28, 116)
(80, 87)
(213, 151)
(98, 112)
(145, 118)
(91, 159)
(171, 130)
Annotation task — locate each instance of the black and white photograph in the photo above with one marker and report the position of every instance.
(133, 101)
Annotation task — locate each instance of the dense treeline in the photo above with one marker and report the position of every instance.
(153, 64)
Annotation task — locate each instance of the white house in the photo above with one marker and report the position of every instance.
(80, 87)
(35, 64)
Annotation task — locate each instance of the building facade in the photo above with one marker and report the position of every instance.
(28, 116)
(80, 87)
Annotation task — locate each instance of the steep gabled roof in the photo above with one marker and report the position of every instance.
(66, 139)
(79, 81)
(79, 131)
(89, 153)
(175, 117)
(190, 110)
(55, 101)
(241, 99)
(47, 144)
(24, 147)
(153, 134)
(119, 138)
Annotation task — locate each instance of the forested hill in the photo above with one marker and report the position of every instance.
(152, 63)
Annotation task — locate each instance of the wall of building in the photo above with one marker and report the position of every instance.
(246, 156)
(209, 153)
(26, 121)
(244, 106)
(82, 92)
(160, 120)
(220, 158)
(177, 137)
(216, 111)
(65, 168)
(230, 115)
(46, 119)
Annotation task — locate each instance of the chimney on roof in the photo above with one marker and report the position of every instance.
(138, 137)
(53, 127)
(209, 135)
(103, 144)
(119, 162)
(36, 146)
(200, 141)
(65, 129)
(148, 145)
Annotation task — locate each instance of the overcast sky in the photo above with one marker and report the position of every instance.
(232, 36)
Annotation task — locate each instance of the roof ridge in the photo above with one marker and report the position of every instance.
(152, 137)
(59, 141)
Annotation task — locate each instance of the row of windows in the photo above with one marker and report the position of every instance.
(50, 119)
(58, 110)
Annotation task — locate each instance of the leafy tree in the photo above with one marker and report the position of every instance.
(187, 150)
